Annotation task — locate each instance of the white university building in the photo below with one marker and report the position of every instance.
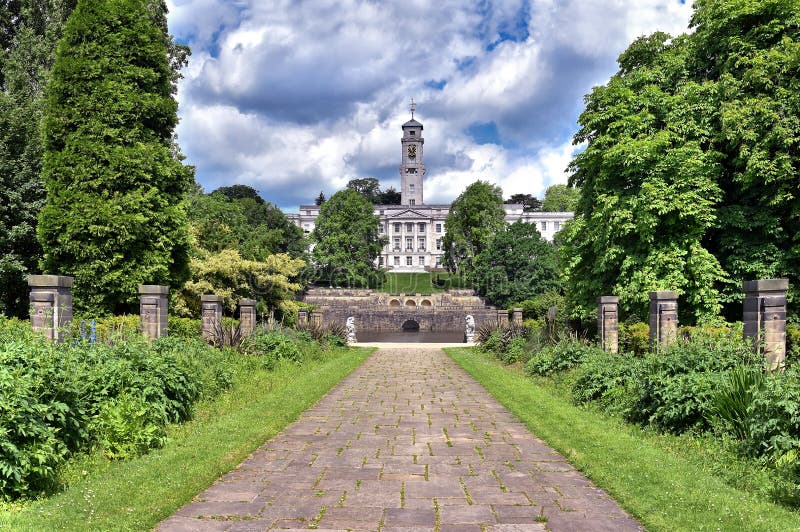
(414, 229)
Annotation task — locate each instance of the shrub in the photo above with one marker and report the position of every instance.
(634, 337)
(272, 346)
(536, 307)
(559, 357)
(605, 377)
(792, 342)
(775, 415)
(516, 350)
(184, 327)
(14, 328)
(127, 426)
(676, 386)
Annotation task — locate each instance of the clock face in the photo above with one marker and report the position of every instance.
(412, 150)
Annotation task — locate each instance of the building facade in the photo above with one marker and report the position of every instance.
(414, 230)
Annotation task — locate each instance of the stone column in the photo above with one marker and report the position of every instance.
(153, 309)
(51, 304)
(608, 323)
(211, 315)
(502, 318)
(765, 318)
(316, 318)
(663, 317)
(302, 318)
(247, 316)
(517, 316)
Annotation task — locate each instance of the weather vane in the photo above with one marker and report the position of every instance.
(413, 108)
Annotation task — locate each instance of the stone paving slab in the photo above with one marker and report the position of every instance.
(408, 441)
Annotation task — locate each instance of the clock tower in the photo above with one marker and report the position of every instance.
(412, 169)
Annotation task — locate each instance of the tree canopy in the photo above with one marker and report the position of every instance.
(560, 198)
(690, 175)
(528, 201)
(346, 240)
(517, 265)
(369, 187)
(474, 218)
(115, 216)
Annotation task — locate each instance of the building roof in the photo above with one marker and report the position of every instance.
(412, 123)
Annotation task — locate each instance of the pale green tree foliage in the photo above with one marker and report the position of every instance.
(346, 240)
(227, 274)
(560, 198)
(474, 218)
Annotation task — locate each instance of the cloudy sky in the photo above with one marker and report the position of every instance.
(292, 97)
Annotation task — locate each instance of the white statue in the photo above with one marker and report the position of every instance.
(351, 330)
(469, 329)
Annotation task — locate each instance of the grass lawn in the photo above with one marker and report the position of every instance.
(664, 489)
(423, 283)
(137, 494)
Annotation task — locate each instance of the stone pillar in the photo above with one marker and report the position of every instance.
(516, 316)
(765, 318)
(502, 318)
(51, 304)
(247, 316)
(663, 317)
(153, 309)
(211, 315)
(316, 318)
(608, 323)
(302, 318)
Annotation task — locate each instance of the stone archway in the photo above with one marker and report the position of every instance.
(411, 304)
(394, 303)
(411, 326)
(426, 304)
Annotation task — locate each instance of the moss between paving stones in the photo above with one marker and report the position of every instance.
(663, 491)
(137, 494)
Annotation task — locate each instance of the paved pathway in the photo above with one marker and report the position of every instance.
(409, 441)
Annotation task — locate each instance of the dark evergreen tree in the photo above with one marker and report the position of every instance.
(115, 215)
(320, 199)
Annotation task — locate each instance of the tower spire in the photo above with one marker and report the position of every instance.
(413, 108)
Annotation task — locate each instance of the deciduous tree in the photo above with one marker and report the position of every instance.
(346, 240)
(474, 218)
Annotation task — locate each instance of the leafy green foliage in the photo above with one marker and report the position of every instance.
(474, 218)
(732, 400)
(347, 240)
(689, 177)
(237, 218)
(560, 198)
(115, 216)
(634, 337)
(559, 357)
(536, 307)
(517, 264)
(369, 187)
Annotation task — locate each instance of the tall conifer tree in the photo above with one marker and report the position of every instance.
(115, 214)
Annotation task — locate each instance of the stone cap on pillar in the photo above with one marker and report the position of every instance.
(766, 285)
(608, 299)
(50, 281)
(247, 302)
(153, 290)
(210, 298)
(517, 309)
(663, 294)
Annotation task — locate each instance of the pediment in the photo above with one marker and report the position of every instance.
(408, 214)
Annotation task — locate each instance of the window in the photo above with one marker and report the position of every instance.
(409, 244)
(422, 261)
(409, 261)
(397, 243)
(411, 170)
(544, 226)
(396, 228)
(412, 202)
(421, 227)
(380, 261)
(438, 228)
(397, 261)
(421, 243)
(380, 229)
(438, 261)
(381, 212)
(411, 187)
(412, 133)
(438, 244)
(308, 213)
(556, 226)
(409, 228)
